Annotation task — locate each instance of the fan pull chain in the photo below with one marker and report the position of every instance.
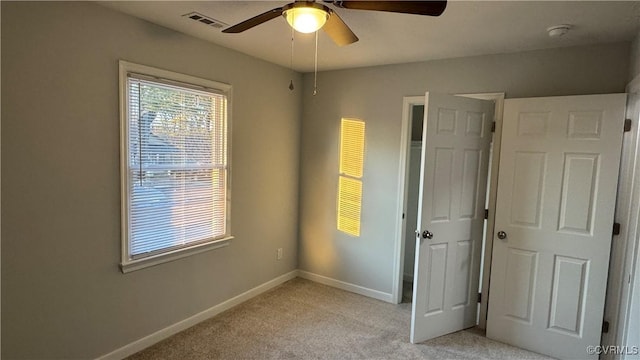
(315, 69)
(291, 87)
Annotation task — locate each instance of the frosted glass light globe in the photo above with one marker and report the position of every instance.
(306, 19)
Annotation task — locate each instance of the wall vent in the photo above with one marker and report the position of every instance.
(196, 16)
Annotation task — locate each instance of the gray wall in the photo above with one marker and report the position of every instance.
(62, 293)
(634, 58)
(375, 94)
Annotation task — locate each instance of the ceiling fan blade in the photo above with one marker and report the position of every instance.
(431, 8)
(254, 21)
(338, 31)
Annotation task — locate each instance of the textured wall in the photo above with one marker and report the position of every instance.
(62, 293)
(375, 94)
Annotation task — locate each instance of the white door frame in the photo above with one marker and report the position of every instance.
(624, 267)
(403, 179)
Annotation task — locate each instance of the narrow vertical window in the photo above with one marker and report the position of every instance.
(351, 172)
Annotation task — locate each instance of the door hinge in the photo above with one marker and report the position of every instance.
(486, 214)
(616, 228)
(479, 297)
(605, 327)
(402, 215)
(627, 125)
(493, 126)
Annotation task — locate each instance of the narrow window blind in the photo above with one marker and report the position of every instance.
(349, 205)
(177, 166)
(352, 147)
(350, 179)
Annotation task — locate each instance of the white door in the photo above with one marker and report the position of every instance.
(455, 152)
(556, 198)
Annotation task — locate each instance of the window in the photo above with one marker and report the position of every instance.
(350, 180)
(174, 166)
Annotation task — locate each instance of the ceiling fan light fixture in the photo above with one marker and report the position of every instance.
(306, 19)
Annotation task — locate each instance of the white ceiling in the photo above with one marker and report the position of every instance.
(466, 28)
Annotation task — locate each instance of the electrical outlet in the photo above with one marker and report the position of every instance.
(279, 254)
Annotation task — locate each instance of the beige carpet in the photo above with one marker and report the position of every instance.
(301, 319)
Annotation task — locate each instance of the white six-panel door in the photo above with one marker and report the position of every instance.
(556, 198)
(455, 153)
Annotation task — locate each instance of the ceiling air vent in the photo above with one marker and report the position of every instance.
(196, 16)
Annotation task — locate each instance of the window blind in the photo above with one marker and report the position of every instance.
(350, 179)
(352, 147)
(177, 164)
(349, 205)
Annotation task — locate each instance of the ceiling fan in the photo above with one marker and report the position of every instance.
(310, 16)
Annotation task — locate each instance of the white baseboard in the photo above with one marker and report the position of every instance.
(347, 286)
(162, 334)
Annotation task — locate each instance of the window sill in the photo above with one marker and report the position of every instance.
(133, 265)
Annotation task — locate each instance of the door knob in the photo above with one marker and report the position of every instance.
(427, 234)
(502, 235)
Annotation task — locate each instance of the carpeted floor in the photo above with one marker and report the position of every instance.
(301, 319)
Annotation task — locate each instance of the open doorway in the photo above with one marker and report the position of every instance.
(410, 162)
(410, 225)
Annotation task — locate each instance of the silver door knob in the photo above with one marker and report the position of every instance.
(427, 234)
(502, 235)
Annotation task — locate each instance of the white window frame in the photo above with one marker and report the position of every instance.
(127, 263)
